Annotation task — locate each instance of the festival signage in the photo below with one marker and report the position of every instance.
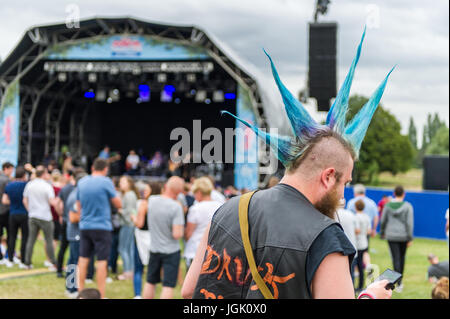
(246, 146)
(9, 124)
(126, 47)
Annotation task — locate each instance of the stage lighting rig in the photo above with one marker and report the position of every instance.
(62, 77)
(218, 96)
(321, 7)
(92, 77)
(162, 77)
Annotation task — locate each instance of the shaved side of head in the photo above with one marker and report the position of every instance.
(326, 151)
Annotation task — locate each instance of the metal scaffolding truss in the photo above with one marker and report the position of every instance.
(32, 49)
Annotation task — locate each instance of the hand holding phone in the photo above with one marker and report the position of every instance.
(391, 276)
(378, 289)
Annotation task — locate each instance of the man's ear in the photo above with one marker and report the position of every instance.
(328, 178)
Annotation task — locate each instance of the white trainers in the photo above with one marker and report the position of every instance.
(22, 266)
(2, 261)
(137, 297)
(47, 264)
(399, 288)
(16, 260)
(88, 281)
(8, 264)
(109, 280)
(52, 267)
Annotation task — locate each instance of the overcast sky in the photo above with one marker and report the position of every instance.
(414, 34)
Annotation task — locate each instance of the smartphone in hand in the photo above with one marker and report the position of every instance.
(392, 276)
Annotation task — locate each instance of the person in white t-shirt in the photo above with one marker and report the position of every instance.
(215, 194)
(199, 216)
(132, 162)
(38, 196)
(349, 223)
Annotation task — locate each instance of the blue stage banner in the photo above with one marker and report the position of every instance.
(246, 162)
(125, 47)
(9, 124)
(429, 209)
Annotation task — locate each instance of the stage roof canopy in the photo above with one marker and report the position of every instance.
(34, 45)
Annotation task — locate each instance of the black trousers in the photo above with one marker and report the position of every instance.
(4, 224)
(63, 245)
(398, 253)
(16, 222)
(114, 254)
(361, 268)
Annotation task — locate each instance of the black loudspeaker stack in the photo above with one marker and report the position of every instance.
(435, 172)
(322, 63)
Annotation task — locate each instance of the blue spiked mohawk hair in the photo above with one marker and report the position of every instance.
(305, 129)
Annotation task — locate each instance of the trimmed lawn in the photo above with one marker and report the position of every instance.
(411, 180)
(416, 285)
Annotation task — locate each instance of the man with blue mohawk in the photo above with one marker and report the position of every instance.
(284, 242)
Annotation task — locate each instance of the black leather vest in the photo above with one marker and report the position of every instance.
(282, 225)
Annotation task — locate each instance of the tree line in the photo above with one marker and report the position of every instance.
(385, 149)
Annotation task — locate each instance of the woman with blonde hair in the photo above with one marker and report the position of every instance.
(199, 216)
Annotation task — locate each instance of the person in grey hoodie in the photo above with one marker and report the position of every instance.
(397, 228)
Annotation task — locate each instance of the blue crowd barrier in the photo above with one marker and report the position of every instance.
(429, 209)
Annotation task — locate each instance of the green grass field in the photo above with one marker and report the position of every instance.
(416, 285)
(411, 180)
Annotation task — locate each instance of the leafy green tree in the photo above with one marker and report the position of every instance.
(439, 143)
(432, 127)
(384, 148)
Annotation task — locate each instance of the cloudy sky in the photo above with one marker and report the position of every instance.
(414, 34)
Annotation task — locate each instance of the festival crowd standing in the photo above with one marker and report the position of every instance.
(156, 223)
